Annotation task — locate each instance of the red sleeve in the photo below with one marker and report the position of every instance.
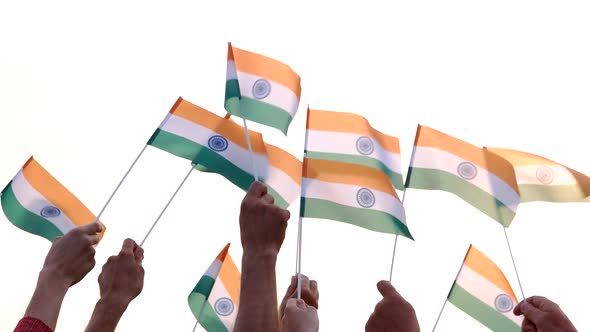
(30, 324)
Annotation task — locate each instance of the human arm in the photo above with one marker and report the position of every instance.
(393, 313)
(262, 230)
(68, 260)
(120, 281)
(543, 315)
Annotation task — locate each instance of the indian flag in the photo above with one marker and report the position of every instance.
(219, 145)
(215, 299)
(351, 193)
(36, 202)
(479, 177)
(541, 179)
(349, 138)
(482, 291)
(261, 89)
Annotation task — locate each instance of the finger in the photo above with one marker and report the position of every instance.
(91, 228)
(292, 287)
(386, 289)
(138, 253)
(128, 247)
(269, 199)
(284, 214)
(542, 303)
(94, 239)
(530, 312)
(257, 189)
(56, 239)
(313, 285)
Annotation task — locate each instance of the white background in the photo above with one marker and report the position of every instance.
(83, 86)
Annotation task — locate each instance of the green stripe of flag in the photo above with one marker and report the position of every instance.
(212, 161)
(255, 110)
(396, 178)
(477, 309)
(558, 194)
(370, 219)
(432, 179)
(25, 219)
(204, 285)
(210, 320)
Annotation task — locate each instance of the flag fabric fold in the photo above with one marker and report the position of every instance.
(218, 145)
(479, 177)
(348, 137)
(261, 89)
(351, 193)
(36, 202)
(215, 299)
(541, 179)
(482, 291)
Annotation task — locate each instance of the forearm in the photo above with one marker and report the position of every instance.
(46, 301)
(258, 294)
(106, 315)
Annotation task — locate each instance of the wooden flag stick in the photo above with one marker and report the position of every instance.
(395, 242)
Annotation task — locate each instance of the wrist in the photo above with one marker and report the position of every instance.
(107, 313)
(112, 303)
(260, 253)
(53, 281)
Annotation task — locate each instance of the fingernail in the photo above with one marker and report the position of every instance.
(301, 303)
(524, 305)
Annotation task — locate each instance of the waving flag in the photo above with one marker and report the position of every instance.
(219, 145)
(479, 177)
(350, 193)
(214, 300)
(36, 202)
(482, 291)
(540, 179)
(261, 89)
(349, 138)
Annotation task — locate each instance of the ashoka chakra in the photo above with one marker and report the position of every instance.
(365, 198)
(50, 212)
(467, 170)
(261, 89)
(364, 145)
(217, 143)
(545, 175)
(224, 306)
(503, 303)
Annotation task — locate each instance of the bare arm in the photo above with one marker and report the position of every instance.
(258, 299)
(69, 259)
(262, 229)
(120, 281)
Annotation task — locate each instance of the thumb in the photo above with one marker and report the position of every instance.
(128, 247)
(386, 289)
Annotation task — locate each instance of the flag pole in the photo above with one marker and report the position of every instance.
(440, 314)
(300, 225)
(395, 242)
(299, 236)
(199, 315)
(450, 290)
(408, 175)
(119, 185)
(254, 169)
(166, 206)
(514, 264)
